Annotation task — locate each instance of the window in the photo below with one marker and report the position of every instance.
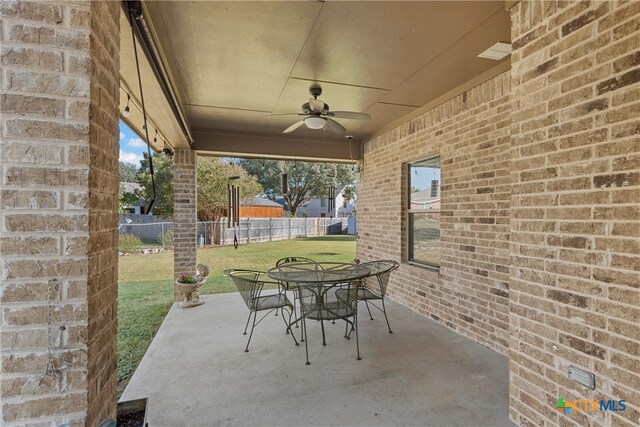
(423, 214)
(323, 203)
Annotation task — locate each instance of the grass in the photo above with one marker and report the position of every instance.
(145, 285)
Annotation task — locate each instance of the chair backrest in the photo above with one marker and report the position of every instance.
(247, 283)
(381, 270)
(292, 259)
(321, 302)
(296, 260)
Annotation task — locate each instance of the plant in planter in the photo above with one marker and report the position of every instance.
(186, 278)
(188, 284)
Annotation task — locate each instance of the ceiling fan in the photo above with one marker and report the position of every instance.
(319, 116)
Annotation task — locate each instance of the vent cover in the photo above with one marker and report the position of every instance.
(497, 51)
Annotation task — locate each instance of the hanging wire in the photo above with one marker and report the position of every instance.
(353, 166)
(144, 115)
(151, 122)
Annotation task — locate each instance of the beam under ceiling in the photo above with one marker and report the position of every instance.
(274, 146)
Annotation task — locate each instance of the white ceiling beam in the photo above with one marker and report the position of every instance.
(255, 145)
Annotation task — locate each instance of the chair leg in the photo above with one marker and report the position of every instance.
(357, 340)
(324, 342)
(286, 331)
(294, 306)
(306, 346)
(384, 310)
(348, 336)
(253, 325)
(247, 324)
(370, 316)
(289, 325)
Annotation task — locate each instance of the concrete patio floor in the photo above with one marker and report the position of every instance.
(196, 373)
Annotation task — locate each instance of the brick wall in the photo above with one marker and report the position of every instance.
(59, 185)
(184, 214)
(103, 210)
(575, 286)
(471, 134)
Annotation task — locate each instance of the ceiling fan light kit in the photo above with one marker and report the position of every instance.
(318, 115)
(315, 122)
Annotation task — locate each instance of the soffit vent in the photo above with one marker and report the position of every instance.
(497, 51)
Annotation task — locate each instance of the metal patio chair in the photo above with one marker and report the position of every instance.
(250, 285)
(293, 287)
(372, 287)
(320, 302)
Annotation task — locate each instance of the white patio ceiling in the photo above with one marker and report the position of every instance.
(235, 63)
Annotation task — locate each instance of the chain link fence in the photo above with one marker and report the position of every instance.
(250, 230)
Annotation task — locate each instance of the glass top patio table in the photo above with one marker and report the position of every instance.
(320, 272)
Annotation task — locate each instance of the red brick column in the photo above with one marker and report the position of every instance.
(58, 219)
(184, 213)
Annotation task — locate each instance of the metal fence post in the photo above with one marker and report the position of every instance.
(223, 237)
(289, 227)
(248, 228)
(162, 234)
(270, 229)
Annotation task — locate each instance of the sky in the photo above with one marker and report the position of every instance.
(421, 177)
(131, 146)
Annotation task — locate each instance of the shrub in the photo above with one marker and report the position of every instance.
(167, 238)
(129, 243)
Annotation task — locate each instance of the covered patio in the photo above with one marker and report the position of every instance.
(197, 373)
(526, 111)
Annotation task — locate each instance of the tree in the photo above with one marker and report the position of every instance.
(304, 179)
(128, 172)
(213, 177)
(163, 173)
(126, 198)
(349, 193)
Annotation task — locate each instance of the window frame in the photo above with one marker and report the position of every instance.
(409, 212)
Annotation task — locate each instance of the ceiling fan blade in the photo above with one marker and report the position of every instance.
(286, 114)
(293, 127)
(349, 115)
(334, 126)
(316, 104)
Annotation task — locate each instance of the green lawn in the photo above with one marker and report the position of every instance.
(145, 285)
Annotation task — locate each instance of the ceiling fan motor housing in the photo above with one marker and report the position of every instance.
(306, 108)
(315, 90)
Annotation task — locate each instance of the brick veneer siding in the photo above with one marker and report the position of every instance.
(184, 214)
(103, 210)
(471, 134)
(575, 229)
(59, 197)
